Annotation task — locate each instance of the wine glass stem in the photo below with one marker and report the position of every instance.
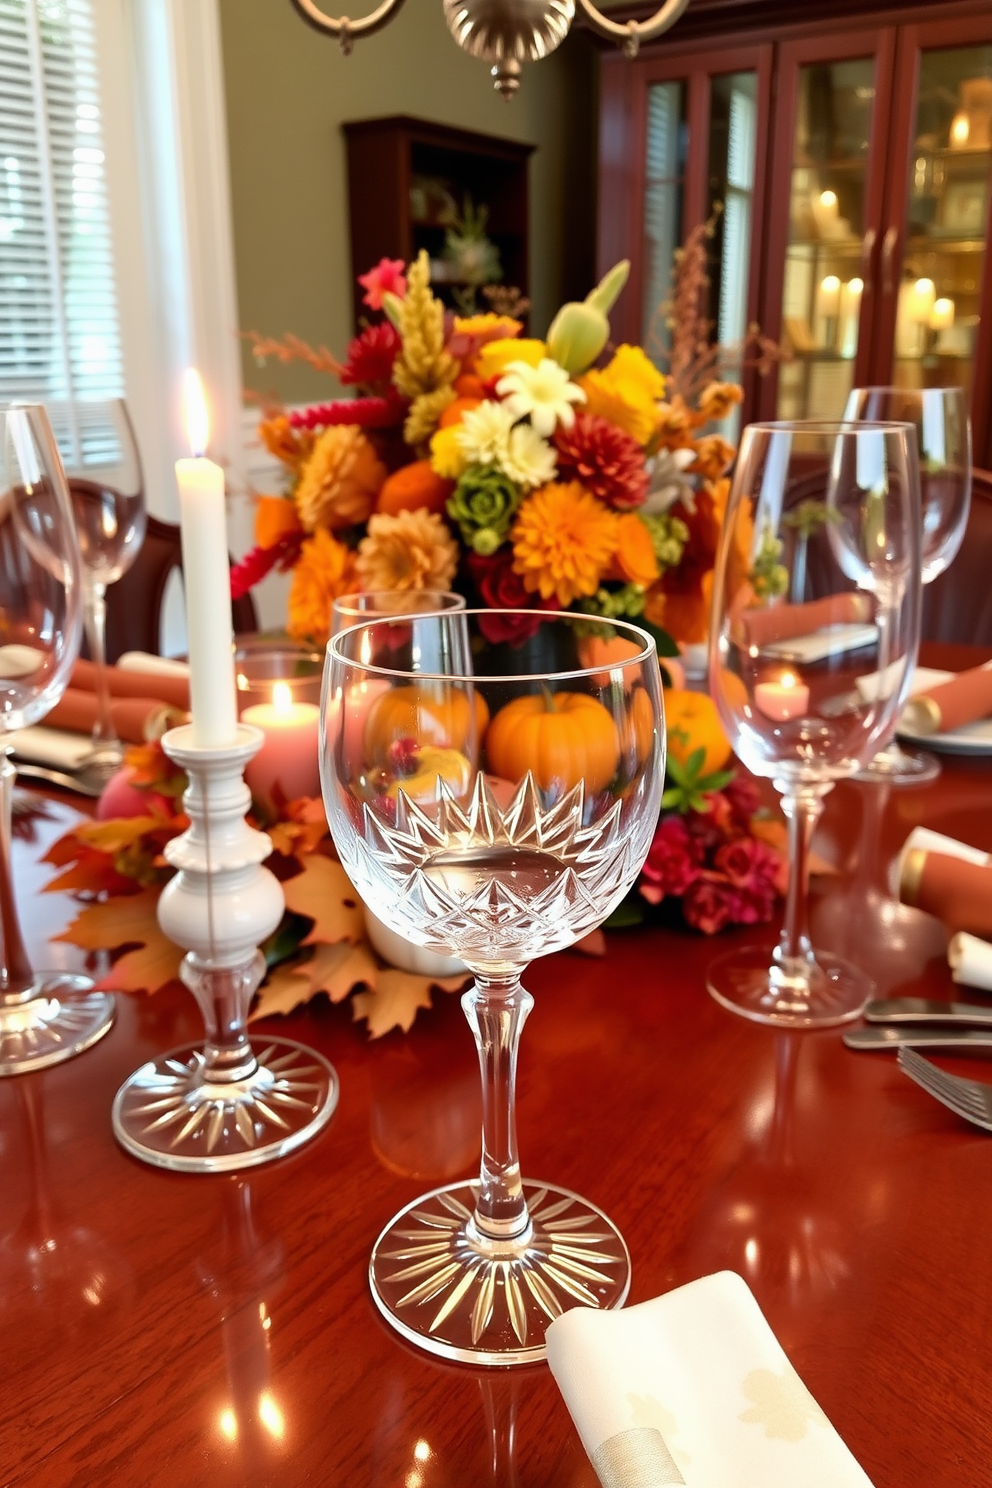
(95, 615)
(496, 1009)
(16, 973)
(802, 809)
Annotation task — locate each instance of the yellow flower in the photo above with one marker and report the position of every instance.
(626, 392)
(340, 481)
(487, 325)
(325, 569)
(423, 365)
(448, 460)
(411, 550)
(495, 357)
(563, 540)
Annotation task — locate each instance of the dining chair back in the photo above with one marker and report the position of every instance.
(957, 606)
(134, 603)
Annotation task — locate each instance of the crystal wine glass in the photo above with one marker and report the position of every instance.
(101, 460)
(493, 804)
(815, 631)
(382, 604)
(44, 1017)
(940, 417)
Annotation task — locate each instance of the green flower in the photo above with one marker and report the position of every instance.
(669, 535)
(483, 504)
(769, 578)
(615, 604)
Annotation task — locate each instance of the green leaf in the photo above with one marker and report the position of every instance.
(629, 912)
(286, 939)
(714, 782)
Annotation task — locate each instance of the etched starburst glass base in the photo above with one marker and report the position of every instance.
(63, 1017)
(172, 1114)
(895, 766)
(449, 1290)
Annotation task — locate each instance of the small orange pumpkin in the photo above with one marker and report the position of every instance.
(562, 738)
(595, 651)
(414, 486)
(434, 714)
(692, 722)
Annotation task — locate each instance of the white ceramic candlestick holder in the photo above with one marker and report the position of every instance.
(228, 1104)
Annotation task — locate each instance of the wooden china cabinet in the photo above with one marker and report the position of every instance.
(852, 152)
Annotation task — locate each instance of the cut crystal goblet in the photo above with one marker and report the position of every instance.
(493, 804)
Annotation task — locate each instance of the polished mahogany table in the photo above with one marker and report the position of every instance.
(160, 1330)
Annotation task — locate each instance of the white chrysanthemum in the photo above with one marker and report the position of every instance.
(484, 433)
(668, 482)
(528, 459)
(544, 393)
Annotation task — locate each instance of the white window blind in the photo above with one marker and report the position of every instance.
(59, 328)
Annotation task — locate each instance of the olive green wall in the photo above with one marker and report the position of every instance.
(288, 91)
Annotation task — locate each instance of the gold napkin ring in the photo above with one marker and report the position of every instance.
(911, 876)
(637, 1458)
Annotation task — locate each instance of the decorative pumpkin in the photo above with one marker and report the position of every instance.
(431, 764)
(692, 722)
(638, 729)
(596, 651)
(430, 714)
(413, 487)
(562, 738)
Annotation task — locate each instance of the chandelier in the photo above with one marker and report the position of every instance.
(504, 33)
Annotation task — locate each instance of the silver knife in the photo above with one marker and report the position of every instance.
(877, 1036)
(923, 1010)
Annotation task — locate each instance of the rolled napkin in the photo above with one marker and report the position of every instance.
(694, 1387)
(924, 840)
(941, 709)
(956, 889)
(134, 718)
(782, 622)
(127, 682)
(144, 661)
(970, 960)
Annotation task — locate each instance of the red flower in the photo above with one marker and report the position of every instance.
(385, 278)
(744, 798)
(502, 589)
(748, 864)
(371, 356)
(604, 459)
(708, 903)
(367, 413)
(260, 561)
(673, 863)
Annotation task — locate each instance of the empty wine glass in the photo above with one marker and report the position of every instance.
(496, 813)
(382, 604)
(100, 455)
(940, 417)
(44, 1017)
(815, 631)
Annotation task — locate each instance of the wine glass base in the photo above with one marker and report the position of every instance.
(168, 1115)
(65, 1017)
(741, 982)
(894, 766)
(487, 1303)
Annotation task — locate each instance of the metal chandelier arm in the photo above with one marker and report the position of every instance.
(345, 29)
(629, 34)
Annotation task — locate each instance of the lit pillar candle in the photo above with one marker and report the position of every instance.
(850, 311)
(921, 300)
(942, 315)
(828, 297)
(289, 754)
(783, 699)
(206, 577)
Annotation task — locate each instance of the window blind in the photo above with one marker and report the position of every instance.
(59, 328)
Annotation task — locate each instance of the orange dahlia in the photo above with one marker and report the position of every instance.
(340, 481)
(324, 570)
(563, 541)
(635, 561)
(408, 550)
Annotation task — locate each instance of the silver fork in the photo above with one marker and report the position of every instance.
(968, 1098)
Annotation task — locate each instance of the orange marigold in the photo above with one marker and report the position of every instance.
(340, 481)
(275, 517)
(408, 550)
(635, 561)
(563, 541)
(713, 456)
(292, 446)
(324, 570)
(717, 400)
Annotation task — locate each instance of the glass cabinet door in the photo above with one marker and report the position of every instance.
(938, 298)
(828, 236)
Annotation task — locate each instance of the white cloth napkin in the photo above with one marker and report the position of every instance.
(39, 745)
(831, 640)
(693, 1387)
(970, 960)
(144, 661)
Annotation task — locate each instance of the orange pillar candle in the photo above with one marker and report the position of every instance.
(289, 756)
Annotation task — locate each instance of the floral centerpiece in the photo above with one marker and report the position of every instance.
(531, 475)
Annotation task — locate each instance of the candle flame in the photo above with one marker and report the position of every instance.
(195, 410)
(828, 199)
(788, 679)
(282, 697)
